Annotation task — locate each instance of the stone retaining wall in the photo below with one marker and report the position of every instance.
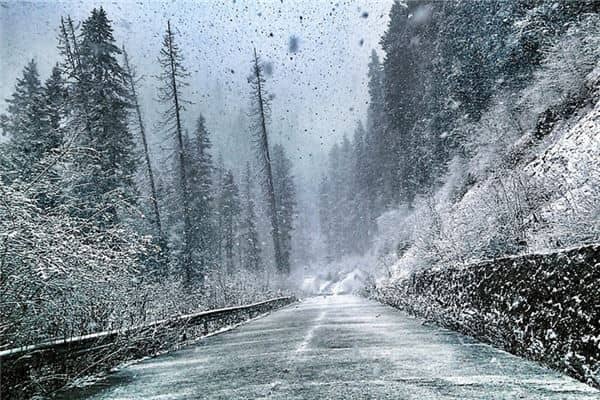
(545, 307)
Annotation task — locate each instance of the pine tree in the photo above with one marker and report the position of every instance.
(229, 209)
(402, 104)
(347, 221)
(68, 45)
(336, 209)
(285, 192)
(379, 162)
(346, 193)
(217, 188)
(77, 104)
(200, 170)
(55, 96)
(109, 163)
(363, 224)
(261, 111)
(250, 242)
(27, 128)
(131, 79)
(34, 126)
(172, 79)
(326, 217)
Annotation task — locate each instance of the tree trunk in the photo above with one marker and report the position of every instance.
(154, 197)
(264, 148)
(187, 226)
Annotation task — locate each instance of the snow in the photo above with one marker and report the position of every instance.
(549, 198)
(351, 283)
(100, 335)
(569, 168)
(337, 347)
(573, 156)
(502, 161)
(342, 282)
(537, 306)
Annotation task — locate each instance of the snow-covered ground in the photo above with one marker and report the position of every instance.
(515, 195)
(337, 347)
(342, 282)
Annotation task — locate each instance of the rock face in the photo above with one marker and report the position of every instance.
(545, 307)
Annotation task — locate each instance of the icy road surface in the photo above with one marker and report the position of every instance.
(337, 347)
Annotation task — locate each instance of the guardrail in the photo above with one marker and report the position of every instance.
(43, 368)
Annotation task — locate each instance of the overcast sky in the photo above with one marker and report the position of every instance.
(319, 90)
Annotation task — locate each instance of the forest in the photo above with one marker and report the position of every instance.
(94, 236)
(480, 140)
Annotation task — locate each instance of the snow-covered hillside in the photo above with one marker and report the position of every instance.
(570, 169)
(515, 192)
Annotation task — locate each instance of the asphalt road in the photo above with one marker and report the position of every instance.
(337, 347)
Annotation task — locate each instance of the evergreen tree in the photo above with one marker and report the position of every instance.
(55, 98)
(131, 79)
(400, 87)
(261, 109)
(326, 217)
(285, 192)
(217, 188)
(30, 137)
(34, 127)
(336, 209)
(347, 223)
(54, 107)
(108, 166)
(77, 104)
(229, 210)
(363, 207)
(172, 80)
(250, 242)
(200, 170)
(379, 165)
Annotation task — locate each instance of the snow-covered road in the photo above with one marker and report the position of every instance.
(337, 347)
